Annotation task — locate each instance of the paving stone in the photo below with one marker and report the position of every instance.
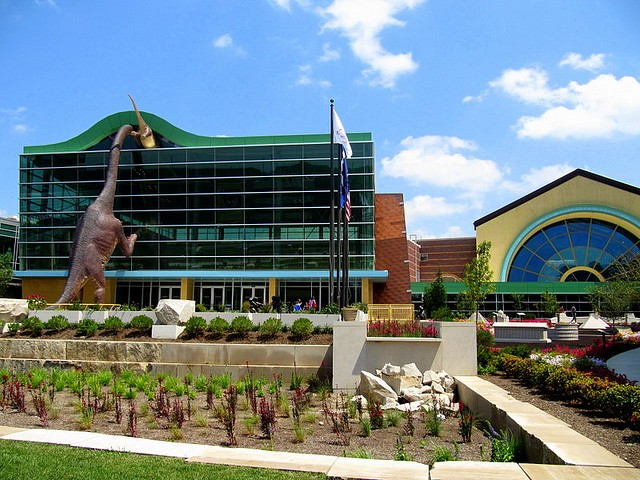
(377, 469)
(564, 472)
(244, 457)
(477, 471)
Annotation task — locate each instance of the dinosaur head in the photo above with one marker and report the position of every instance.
(145, 134)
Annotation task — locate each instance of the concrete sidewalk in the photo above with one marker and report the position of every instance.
(332, 467)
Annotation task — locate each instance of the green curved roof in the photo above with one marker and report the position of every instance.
(110, 124)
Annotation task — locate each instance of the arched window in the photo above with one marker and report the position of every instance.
(574, 250)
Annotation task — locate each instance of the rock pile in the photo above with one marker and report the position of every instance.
(407, 388)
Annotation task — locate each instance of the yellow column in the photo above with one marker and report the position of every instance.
(186, 289)
(367, 290)
(274, 287)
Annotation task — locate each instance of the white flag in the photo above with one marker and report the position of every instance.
(340, 136)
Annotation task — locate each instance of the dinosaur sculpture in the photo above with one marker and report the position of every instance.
(99, 231)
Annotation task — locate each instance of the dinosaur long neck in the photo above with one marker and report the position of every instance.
(109, 190)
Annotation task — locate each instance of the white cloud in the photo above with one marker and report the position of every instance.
(46, 3)
(305, 77)
(20, 128)
(453, 231)
(574, 60)
(329, 54)
(529, 85)
(428, 206)
(226, 42)
(536, 178)
(362, 21)
(442, 162)
(223, 41)
(600, 108)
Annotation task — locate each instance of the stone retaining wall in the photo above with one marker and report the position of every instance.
(172, 357)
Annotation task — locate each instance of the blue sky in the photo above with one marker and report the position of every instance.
(472, 104)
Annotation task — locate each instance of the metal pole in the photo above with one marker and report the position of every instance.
(332, 207)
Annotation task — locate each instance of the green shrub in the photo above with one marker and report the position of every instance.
(241, 325)
(57, 323)
(141, 322)
(113, 324)
(87, 327)
(442, 314)
(32, 325)
(201, 308)
(302, 327)
(271, 327)
(13, 328)
(195, 326)
(331, 308)
(218, 326)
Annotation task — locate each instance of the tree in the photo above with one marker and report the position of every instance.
(435, 296)
(477, 277)
(6, 272)
(549, 304)
(613, 299)
(518, 301)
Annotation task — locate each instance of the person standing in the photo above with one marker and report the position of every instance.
(573, 314)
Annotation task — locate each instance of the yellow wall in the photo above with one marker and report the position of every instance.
(503, 230)
(51, 289)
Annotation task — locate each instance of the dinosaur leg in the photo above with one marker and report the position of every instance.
(125, 243)
(95, 270)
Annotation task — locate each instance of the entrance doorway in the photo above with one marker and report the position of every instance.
(212, 297)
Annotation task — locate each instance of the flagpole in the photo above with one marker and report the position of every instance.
(345, 260)
(332, 207)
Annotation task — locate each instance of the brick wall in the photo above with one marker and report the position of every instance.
(449, 255)
(392, 250)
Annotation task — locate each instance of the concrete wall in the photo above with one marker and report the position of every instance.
(353, 351)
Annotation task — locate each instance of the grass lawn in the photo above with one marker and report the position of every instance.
(29, 461)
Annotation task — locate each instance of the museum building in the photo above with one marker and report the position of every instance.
(562, 238)
(223, 219)
(219, 219)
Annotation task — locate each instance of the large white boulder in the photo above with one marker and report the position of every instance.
(13, 310)
(174, 312)
(375, 389)
(403, 377)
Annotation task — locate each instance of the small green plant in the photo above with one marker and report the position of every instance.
(241, 325)
(218, 326)
(87, 328)
(433, 422)
(32, 326)
(195, 326)
(357, 453)
(141, 322)
(250, 423)
(393, 417)
(302, 328)
(58, 323)
(271, 327)
(13, 328)
(465, 423)
(442, 453)
(113, 324)
(401, 454)
(365, 425)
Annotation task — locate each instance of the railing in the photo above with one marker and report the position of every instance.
(387, 312)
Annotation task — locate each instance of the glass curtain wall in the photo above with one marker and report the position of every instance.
(259, 207)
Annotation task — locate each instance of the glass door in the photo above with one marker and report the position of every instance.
(212, 297)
